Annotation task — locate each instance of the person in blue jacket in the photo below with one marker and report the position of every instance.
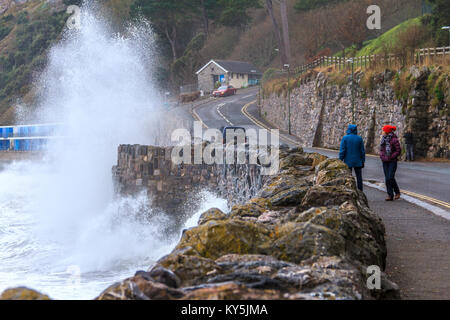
(352, 152)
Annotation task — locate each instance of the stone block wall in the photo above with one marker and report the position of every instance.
(321, 112)
(174, 187)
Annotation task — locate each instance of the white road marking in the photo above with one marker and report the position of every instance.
(433, 209)
(220, 113)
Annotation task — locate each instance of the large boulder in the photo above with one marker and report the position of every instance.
(22, 293)
(139, 288)
(190, 269)
(231, 291)
(216, 238)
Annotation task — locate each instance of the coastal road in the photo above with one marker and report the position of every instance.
(424, 180)
(417, 238)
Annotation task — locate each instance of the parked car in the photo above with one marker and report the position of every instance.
(224, 91)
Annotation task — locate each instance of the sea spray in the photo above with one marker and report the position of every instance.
(62, 214)
(98, 85)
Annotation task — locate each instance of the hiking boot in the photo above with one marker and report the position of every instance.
(389, 199)
(397, 196)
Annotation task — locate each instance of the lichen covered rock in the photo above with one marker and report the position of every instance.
(216, 238)
(139, 288)
(22, 293)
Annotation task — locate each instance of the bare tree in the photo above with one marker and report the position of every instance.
(351, 23)
(317, 35)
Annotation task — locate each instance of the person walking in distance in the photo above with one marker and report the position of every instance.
(389, 152)
(409, 142)
(352, 152)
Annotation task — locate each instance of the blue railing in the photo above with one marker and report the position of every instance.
(27, 137)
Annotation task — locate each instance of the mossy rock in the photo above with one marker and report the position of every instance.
(217, 238)
(211, 214)
(250, 209)
(326, 196)
(22, 293)
(139, 288)
(359, 245)
(232, 291)
(307, 215)
(301, 241)
(290, 197)
(295, 159)
(317, 158)
(331, 164)
(281, 183)
(346, 181)
(190, 269)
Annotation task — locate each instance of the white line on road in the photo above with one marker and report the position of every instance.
(433, 209)
(220, 113)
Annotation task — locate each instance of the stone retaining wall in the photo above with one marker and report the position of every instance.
(321, 112)
(172, 187)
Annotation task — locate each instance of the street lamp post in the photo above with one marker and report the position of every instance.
(448, 29)
(353, 94)
(287, 66)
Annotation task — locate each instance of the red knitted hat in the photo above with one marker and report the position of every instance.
(389, 128)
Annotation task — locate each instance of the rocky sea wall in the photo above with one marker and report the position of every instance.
(307, 233)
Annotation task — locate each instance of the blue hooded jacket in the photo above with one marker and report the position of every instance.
(352, 150)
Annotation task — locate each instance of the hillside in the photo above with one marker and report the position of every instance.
(411, 32)
(228, 30)
(27, 29)
(313, 31)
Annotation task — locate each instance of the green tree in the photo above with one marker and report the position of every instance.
(306, 5)
(235, 12)
(168, 17)
(208, 10)
(439, 18)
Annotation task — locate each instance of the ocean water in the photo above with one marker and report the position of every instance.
(63, 231)
(76, 262)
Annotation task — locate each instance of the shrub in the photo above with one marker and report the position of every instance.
(4, 31)
(22, 17)
(368, 81)
(401, 86)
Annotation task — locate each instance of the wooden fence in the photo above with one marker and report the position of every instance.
(420, 57)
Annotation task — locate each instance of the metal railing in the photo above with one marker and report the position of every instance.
(189, 88)
(27, 137)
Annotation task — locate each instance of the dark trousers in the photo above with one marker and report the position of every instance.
(389, 169)
(359, 180)
(410, 152)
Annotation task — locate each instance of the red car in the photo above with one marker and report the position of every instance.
(224, 91)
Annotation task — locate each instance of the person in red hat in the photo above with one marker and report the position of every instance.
(390, 150)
